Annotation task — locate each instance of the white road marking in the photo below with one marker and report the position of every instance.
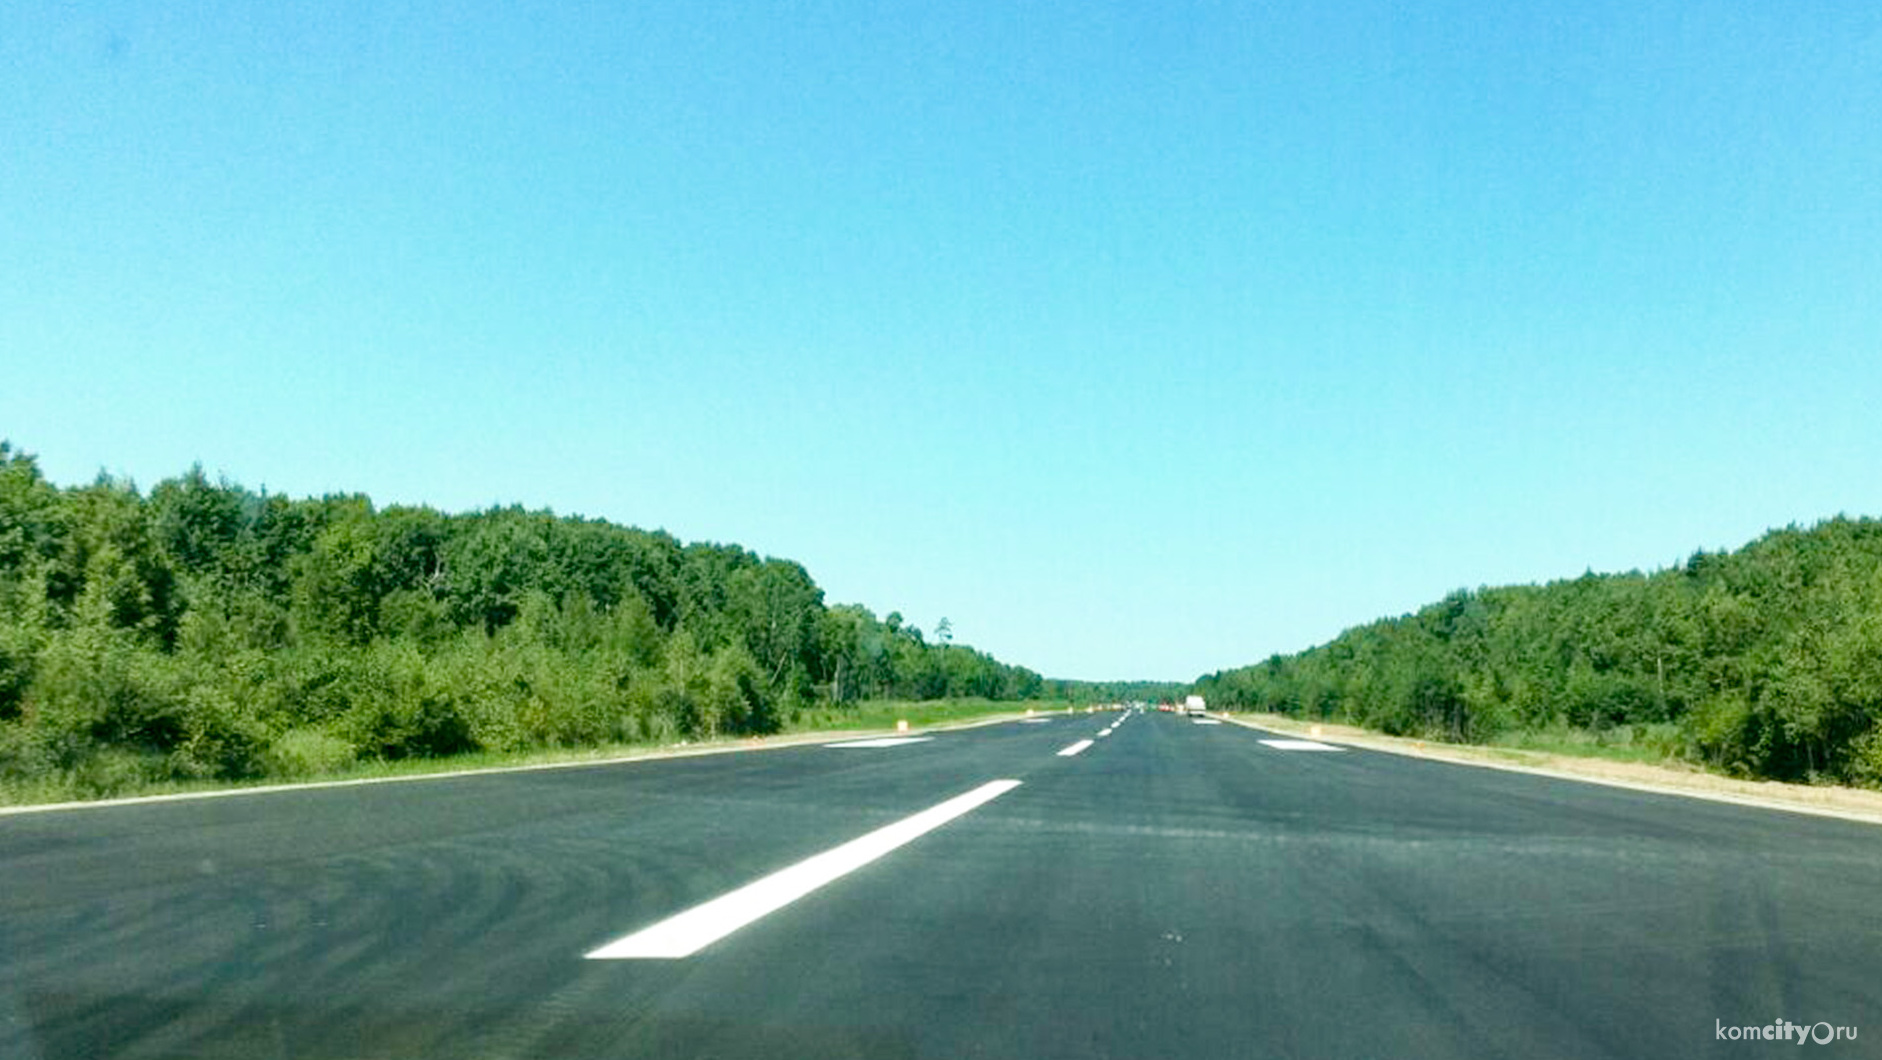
(1299, 745)
(1205, 721)
(884, 741)
(1074, 749)
(686, 933)
(1034, 721)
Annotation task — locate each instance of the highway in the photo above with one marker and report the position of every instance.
(1170, 889)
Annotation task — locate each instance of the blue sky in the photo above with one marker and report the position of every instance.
(1137, 340)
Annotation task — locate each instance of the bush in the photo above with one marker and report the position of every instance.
(308, 753)
(110, 771)
(25, 753)
(426, 726)
(398, 711)
(310, 686)
(220, 742)
(1721, 731)
(94, 689)
(18, 657)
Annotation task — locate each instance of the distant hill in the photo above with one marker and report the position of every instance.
(1764, 662)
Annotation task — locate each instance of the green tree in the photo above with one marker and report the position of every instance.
(492, 562)
(339, 583)
(777, 606)
(112, 564)
(198, 524)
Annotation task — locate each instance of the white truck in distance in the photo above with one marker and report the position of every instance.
(1195, 707)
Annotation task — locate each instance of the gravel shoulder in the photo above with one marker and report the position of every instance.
(1855, 804)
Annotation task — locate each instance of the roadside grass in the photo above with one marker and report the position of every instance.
(1653, 744)
(128, 777)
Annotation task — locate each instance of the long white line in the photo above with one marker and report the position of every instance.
(1074, 749)
(686, 933)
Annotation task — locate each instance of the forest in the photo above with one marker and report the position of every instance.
(1765, 662)
(203, 631)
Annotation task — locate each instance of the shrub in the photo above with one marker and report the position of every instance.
(398, 711)
(92, 688)
(18, 658)
(109, 771)
(308, 753)
(219, 741)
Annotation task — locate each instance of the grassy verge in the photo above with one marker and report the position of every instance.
(1639, 743)
(805, 727)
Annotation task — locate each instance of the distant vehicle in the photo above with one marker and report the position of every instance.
(1195, 707)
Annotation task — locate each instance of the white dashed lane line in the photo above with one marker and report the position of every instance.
(1299, 745)
(687, 933)
(1075, 748)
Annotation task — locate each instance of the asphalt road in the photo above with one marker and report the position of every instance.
(1173, 890)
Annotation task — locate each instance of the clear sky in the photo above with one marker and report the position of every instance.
(1139, 340)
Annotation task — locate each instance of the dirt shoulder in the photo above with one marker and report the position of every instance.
(1853, 804)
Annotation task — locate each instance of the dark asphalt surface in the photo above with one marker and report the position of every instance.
(1177, 890)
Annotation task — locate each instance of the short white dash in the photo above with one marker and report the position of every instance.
(1074, 749)
(686, 933)
(884, 741)
(1299, 745)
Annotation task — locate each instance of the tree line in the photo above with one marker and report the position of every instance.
(1078, 691)
(204, 630)
(1764, 662)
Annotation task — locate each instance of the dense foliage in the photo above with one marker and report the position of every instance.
(1765, 662)
(207, 631)
(1114, 691)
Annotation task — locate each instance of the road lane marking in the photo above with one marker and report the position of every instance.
(1299, 745)
(684, 934)
(1074, 749)
(884, 741)
(1205, 721)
